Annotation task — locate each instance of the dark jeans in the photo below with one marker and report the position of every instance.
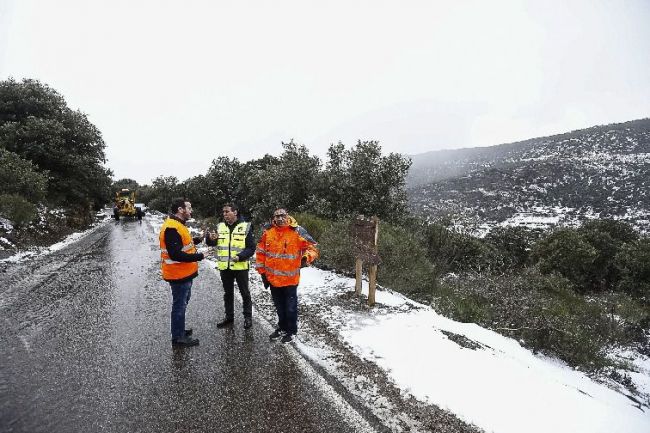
(285, 300)
(181, 293)
(228, 278)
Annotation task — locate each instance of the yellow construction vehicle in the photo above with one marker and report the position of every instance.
(125, 205)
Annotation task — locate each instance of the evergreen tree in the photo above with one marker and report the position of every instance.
(164, 190)
(258, 193)
(37, 124)
(293, 178)
(127, 183)
(362, 181)
(21, 177)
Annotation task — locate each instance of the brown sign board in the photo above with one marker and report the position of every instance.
(364, 234)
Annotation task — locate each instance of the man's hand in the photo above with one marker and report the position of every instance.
(235, 258)
(265, 281)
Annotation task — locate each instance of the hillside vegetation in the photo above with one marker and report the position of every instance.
(599, 172)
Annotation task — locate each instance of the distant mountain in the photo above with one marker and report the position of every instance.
(602, 171)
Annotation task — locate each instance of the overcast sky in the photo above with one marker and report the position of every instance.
(174, 84)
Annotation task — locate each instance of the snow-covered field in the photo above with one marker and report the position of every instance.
(496, 384)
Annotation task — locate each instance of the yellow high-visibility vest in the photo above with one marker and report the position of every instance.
(230, 244)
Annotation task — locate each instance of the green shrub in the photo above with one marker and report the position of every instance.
(542, 311)
(451, 251)
(564, 251)
(466, 308)
(17, 209)
(512, 246)
(586, 256)
(335, 248)
(607, 237)
(630, 318)
(633, 262)
(405, 266)
(316, 226)
(620, 231)
(570, 328)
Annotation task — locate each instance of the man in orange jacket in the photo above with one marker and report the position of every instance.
(284, 248)
(179, 266)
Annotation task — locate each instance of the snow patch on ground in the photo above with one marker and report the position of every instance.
(74, 237)
(490, 380)
(6, 225)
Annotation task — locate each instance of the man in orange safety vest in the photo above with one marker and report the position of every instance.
(284, 248)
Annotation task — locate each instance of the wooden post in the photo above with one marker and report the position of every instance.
(358, 268)
(372, 285)
(365, 234)
(372, 274)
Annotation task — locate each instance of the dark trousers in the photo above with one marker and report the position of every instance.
(285, 300)
(181, 293)
(228, 278)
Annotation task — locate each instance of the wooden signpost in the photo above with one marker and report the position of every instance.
(365, 234)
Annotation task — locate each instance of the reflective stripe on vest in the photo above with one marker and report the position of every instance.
(171, 269)
(185, 249)
(230, 244)
(277, 271)
(283, 273)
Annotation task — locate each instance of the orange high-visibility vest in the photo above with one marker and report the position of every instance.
(172, 270)
(280, 251)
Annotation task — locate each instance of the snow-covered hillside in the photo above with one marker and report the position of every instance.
(596, 172)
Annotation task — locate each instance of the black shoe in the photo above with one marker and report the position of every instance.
(224, 323)
(248, 323)
(287, 338)
(185, 341)
(276, 334)
(188, 332)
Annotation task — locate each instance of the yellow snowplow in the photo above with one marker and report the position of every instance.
(125, 205)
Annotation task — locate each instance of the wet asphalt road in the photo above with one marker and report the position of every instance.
(85, 347)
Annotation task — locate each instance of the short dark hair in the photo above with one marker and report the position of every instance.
(176, 203)
(232, 207)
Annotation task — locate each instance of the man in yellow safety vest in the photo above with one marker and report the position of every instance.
(235, 246)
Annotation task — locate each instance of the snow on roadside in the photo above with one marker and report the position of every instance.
(38, 251)
(491, 382)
